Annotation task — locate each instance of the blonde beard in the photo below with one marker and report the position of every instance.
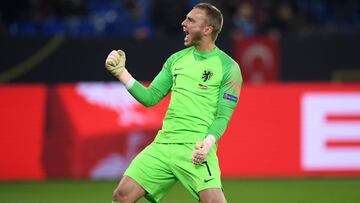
(195, 39)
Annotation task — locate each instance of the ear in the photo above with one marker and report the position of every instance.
(208, 30)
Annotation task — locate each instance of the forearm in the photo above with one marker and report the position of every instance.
(219, 125)
(146, 96)
(216, 130)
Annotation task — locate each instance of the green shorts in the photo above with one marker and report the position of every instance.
(159, 166)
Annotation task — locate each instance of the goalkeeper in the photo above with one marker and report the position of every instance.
(205, 85)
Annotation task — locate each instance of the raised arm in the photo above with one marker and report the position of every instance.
(148, 96)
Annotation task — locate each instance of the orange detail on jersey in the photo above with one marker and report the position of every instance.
(235, 85)
(202, 86)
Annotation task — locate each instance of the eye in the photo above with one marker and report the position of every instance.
(190, 19)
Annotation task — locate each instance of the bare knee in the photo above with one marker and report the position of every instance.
(120, 194)
(213, 195)
(128, 191)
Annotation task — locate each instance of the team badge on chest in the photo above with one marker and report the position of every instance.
(206, 75)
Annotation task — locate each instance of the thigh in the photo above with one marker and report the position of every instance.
(196, 178)
(151, 170)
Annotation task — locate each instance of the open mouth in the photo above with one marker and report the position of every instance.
(186, 35)
(186, 32)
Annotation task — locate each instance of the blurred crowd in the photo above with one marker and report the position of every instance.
(151, 18)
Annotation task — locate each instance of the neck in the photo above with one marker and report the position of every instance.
(205, 46)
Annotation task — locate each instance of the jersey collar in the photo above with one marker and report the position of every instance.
(205, 54)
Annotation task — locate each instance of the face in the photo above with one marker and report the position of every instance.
(194, 27)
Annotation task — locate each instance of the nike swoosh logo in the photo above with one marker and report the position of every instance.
(176, 68)
(207, 180)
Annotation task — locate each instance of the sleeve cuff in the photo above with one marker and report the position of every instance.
(130, 83)
(210, 140)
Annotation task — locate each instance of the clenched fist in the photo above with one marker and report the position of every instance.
(115, 62)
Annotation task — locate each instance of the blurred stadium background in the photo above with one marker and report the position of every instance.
(68, 129)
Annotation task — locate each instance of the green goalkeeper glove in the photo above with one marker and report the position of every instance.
(115, 62)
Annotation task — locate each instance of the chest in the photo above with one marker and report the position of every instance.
(190, 73)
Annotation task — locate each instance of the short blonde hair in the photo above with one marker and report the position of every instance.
(214, 18)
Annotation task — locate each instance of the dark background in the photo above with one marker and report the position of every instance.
(318, 40)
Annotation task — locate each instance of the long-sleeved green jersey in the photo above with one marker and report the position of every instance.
(205, 88)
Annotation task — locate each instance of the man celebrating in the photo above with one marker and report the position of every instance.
(205, 85)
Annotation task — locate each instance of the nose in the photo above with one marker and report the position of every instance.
(183, 23)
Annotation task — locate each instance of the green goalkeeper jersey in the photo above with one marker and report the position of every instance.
(205, 88)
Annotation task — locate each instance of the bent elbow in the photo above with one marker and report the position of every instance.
(148, 105)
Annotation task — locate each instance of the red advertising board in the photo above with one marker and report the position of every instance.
(282, 130)
(22, 118)
(93, 130)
